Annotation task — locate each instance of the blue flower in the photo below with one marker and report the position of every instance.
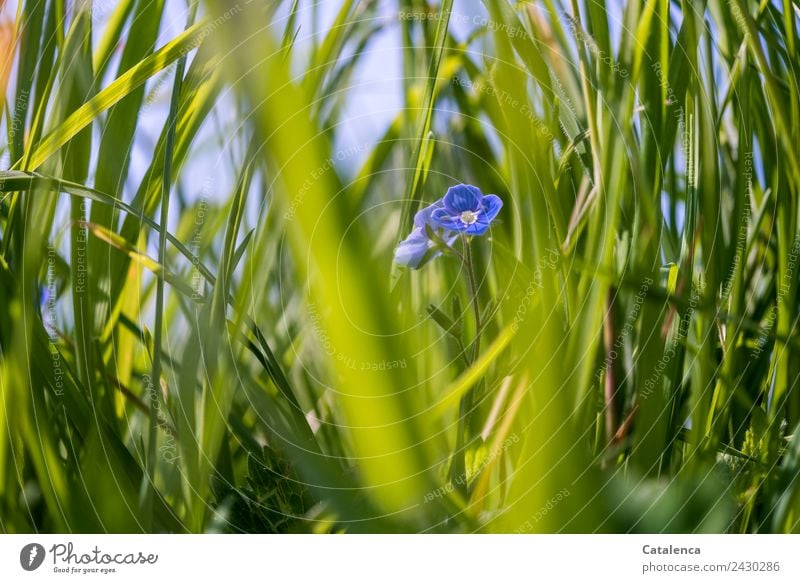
(465, 209)
(418, 248)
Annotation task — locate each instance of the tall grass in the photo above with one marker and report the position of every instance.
(241, 354)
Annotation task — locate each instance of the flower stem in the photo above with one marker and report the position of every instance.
(458, 471)
(473, 286)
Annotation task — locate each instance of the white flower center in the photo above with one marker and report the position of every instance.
(469, 217)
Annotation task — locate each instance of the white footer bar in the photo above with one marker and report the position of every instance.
(401, 558)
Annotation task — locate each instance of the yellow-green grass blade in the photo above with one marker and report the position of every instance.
(115, 92)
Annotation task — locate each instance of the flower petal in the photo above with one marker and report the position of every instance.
(462, 197)
(443, 219)
(423, 216)
(412, 250)
(417, 249)
(479, 227)
(491, 205)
